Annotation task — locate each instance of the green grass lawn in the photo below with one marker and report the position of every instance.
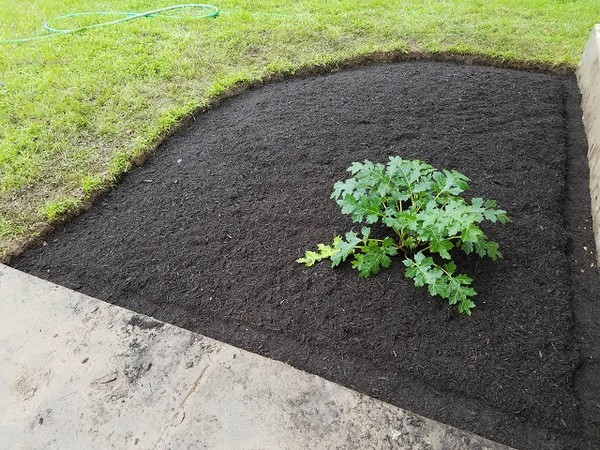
(76, 109)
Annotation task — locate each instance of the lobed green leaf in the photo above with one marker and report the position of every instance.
(374, 255)
(441, 282)
(344, 248)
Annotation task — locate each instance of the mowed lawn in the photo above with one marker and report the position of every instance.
(76, 109)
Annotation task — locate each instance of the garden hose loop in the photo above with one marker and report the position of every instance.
(211, 11)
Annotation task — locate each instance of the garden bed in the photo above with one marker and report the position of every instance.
(205, 236)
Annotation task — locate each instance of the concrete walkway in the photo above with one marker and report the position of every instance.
(78, 373)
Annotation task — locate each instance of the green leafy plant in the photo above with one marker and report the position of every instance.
(423, 208)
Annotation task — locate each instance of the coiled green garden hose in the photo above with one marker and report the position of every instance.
(211, 11)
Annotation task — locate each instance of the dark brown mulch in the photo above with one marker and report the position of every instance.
(205, 236)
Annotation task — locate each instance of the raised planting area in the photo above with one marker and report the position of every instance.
(206, 234)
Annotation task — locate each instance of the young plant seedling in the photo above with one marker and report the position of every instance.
(423, 209)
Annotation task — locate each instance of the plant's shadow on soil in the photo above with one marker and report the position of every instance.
(205, 237)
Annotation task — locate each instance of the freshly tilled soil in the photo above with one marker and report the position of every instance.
(205, 236)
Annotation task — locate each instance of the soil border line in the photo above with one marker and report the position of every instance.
(113, 379)
(21, 245)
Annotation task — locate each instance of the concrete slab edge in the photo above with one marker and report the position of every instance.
(588, 78)
(76, 372)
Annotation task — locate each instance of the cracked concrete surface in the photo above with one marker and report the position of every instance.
(76, 373)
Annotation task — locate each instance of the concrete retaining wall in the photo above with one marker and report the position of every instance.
(588, 76)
